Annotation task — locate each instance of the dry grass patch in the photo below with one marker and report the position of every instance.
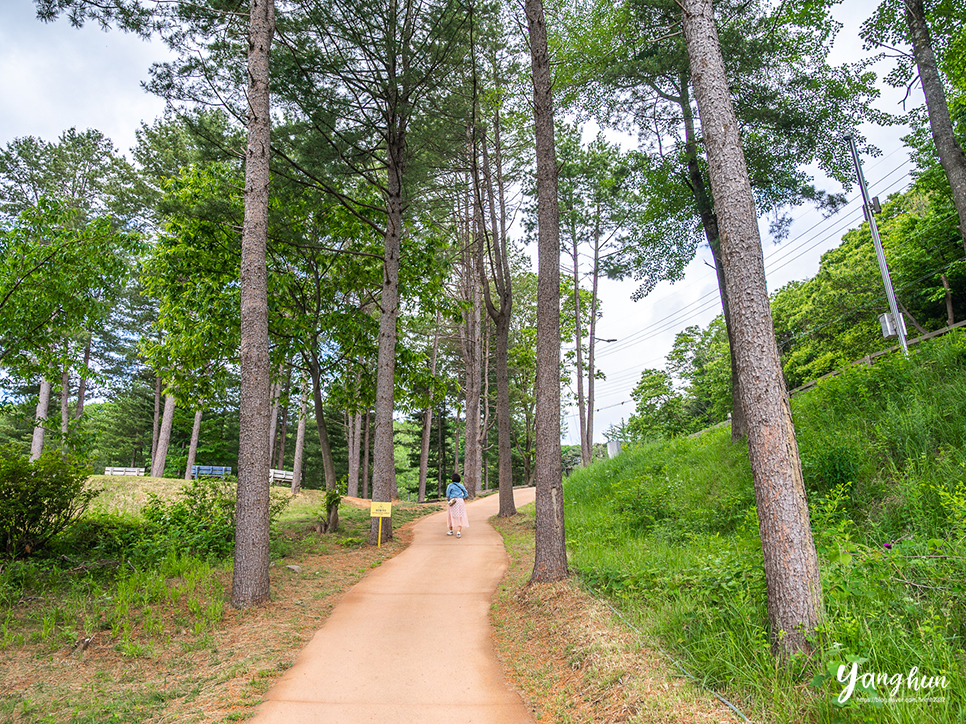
(574, 661)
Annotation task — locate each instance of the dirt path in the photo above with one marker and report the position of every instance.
(410, 642)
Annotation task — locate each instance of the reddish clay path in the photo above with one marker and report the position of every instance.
(410, 643)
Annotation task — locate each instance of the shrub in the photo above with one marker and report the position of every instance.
(39, 499)
(202, 522)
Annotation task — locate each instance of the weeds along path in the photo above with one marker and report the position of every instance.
(410, 642)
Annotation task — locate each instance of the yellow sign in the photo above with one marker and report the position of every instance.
(380, 510)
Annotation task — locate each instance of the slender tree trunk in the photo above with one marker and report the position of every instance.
(43, 406)
(499, 312)
(950, 317)
(164, 438)
(328, 464)
(300, 440)
(472, 458)
(193, 447)
(791, 564)
(82, 386)
(157, 416)
(365, 457)
(250, 581)
(283, 433)
(428, 419)
(275, 392)
(578, 351)
(456, 440)
(441, 449)
(591, 342)
(709, 222)
(550, 554)
(64, 404)
(950, 152)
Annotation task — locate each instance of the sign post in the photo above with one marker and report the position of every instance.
(380, 511)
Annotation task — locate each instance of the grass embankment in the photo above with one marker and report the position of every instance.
(573, 660)
(669, 531)
(125, 620)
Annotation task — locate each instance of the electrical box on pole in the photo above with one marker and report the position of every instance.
(870, 207)
(889, 327)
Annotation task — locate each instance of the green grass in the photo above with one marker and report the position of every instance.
(669, 530)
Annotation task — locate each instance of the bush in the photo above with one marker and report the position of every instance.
(39, 499)
(202, 522)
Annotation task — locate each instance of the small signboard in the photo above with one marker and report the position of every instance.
(380, 510)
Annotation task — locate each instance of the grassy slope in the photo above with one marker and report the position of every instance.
(670, 531)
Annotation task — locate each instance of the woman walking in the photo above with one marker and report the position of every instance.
(456, 510)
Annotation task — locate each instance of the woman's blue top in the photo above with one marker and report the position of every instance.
(456, 490)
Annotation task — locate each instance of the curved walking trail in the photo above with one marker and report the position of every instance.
(411, 641)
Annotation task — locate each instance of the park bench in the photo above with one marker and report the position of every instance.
(124, 471)
(209, 471)
(280, 477)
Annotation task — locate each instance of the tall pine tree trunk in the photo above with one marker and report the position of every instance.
(328, 464)
(428, 419)
(82, 386)
(156, 427)
(499, 312)
(164, 438)
(384, 462)
(300, 440)
(64, 404)
(709, 222)
(193, 445)
(40, 417)
(250, 581)
(791, 564)
(275, 393)
(366, 454)
(550, 554)
(950, 152)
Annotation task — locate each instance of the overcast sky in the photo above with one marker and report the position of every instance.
(53, 77)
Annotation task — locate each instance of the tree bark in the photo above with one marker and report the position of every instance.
(283, 432)
(428, 419)
(193, 446)
(275, 392)
(157, 416)
(250, 581)
(591, 342)
(64, 404)
(709, 222)
(164, 438)
(82, 386)
(472, 458)
(40, 417)
(791, 564)
(299, 441)
(579, 356)
(499, 312)
(384, 463)
(550, 554)
(950, 317)
(365, 457)
(328, 464)
(441, 450)
(950, 152)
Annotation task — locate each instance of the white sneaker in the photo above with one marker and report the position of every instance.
(459, 535)
(449, 532)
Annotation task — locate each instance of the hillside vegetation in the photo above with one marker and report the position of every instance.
(669, 530)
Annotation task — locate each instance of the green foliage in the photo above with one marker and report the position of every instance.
(39, 499)
(201, 522)
(669, 530)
